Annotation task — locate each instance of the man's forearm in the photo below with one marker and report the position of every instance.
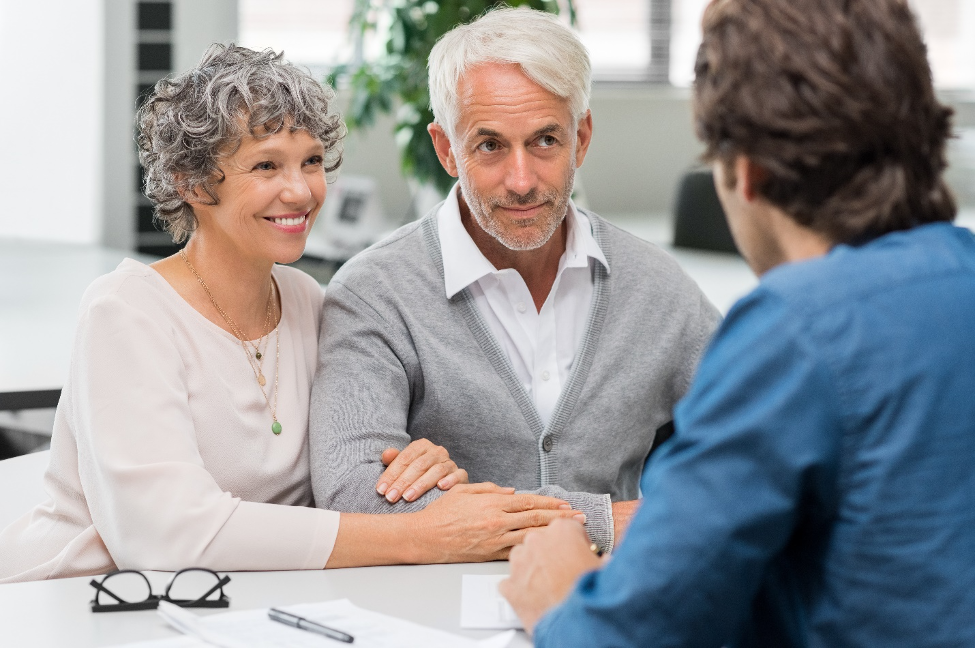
(355, 491)
(623, 512)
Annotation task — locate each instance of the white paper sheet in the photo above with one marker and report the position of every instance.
(483, 607)
(181, 641)
(253, 629)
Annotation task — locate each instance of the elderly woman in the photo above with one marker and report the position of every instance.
(180, 438)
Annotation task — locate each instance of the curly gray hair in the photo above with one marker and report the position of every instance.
(191, 120)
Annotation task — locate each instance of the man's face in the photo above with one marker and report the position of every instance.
(515, 149)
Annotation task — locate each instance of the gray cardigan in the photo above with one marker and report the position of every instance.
(398, 361)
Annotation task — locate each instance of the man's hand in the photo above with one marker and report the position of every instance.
(417, 469)
(544, 568)
(623, 511)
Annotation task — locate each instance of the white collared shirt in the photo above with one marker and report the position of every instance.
(541, 346)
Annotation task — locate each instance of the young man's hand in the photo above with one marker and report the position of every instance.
(545, 567)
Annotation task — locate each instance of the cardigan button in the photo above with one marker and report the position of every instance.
(547, 443)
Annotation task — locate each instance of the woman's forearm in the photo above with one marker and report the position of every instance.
(469, 523)
(366, 540)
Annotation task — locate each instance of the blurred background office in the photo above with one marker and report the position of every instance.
(74, 70)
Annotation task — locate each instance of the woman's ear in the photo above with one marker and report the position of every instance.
(190, 194)
(195, 195)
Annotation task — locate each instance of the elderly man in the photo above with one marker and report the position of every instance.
(536, 344)
(819, 488)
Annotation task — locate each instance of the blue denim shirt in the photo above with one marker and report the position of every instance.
(819, 488)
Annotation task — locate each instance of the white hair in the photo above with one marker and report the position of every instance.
(546, 50)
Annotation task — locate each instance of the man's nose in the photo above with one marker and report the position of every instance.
(521, 176)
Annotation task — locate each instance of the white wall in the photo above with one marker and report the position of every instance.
(198, 24)
(119, 178)
(51, 117)
(965, 46)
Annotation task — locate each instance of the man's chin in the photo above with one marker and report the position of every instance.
(524, 242)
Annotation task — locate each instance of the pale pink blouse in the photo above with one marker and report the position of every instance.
(162, 455)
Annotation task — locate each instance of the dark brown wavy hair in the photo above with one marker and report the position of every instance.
(834, 98)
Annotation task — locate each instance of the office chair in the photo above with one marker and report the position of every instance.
(699, 219)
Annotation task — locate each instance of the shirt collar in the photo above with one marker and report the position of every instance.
(465, 264)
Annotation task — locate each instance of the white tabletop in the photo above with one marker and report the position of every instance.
(57, 612)
(41, 285)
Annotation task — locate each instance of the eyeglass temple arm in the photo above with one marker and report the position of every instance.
(100, 587)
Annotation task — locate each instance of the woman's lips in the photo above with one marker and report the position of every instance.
(289, 223)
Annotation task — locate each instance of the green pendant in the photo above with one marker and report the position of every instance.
(276, 427)
(257, 355)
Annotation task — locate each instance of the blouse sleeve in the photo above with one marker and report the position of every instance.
(151, 498)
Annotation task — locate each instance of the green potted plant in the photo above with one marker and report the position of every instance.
(398, 78)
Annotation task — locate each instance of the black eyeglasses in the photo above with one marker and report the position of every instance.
(131, 591)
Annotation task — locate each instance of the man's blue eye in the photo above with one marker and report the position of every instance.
(547, 140)
(264, 166)
(489, 145)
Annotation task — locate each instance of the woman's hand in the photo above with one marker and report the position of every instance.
(480, 522)
(415, 470)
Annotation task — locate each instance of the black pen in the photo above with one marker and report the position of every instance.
(307, 625)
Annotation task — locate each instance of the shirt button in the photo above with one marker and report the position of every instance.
(547, 443)
(521, 307)
(545, 375)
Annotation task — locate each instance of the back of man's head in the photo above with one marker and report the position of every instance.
(835, 100)
(548, 52)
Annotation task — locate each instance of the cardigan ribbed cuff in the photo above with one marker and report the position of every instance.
(600, 520)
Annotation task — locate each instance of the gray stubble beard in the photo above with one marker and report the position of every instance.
(481, 209)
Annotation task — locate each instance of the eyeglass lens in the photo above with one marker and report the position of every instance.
(191, 584)
(128, 587)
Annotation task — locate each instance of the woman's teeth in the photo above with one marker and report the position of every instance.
(288, 221)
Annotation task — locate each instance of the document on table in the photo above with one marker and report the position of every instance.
(253, 629)
(483, 607)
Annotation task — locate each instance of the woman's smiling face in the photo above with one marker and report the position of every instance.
(272, 191)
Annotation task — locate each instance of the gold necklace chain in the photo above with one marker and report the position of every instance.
(227, 319)
(255, 363)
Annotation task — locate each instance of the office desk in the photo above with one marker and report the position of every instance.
(41, 285)
(56, 612)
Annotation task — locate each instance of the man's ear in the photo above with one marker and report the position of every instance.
(750, 177)
(585, 131)
(442, 145)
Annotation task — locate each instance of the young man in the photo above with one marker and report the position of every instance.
(515, 330)
(819, 488)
